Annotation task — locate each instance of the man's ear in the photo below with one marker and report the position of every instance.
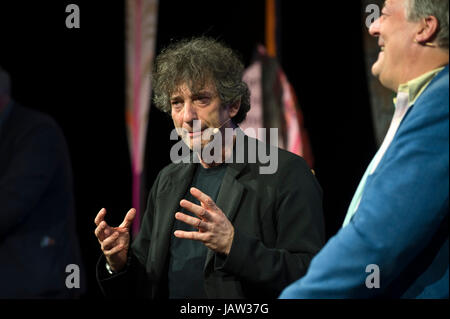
(428, 29)
(233, 108)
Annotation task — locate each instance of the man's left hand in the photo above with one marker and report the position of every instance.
(215, 231)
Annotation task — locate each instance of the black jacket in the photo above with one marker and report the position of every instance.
(278, 223)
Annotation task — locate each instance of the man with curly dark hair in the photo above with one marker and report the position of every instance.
(213, 229)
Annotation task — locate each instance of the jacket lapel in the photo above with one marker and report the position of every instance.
(229, 197)
(230, 193)
(170, 196)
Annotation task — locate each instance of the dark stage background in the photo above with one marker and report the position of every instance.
(77, 76)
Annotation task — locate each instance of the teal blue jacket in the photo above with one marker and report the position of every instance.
(401, 224)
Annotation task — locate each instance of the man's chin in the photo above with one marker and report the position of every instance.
(376, 69)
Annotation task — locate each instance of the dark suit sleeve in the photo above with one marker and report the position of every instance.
(300, 235)
(34, 160)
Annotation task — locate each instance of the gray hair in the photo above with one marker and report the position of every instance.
(419, 9)
(5, 82)
(197, 62)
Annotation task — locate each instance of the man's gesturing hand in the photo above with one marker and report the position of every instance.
(114, 241)
(214, 228)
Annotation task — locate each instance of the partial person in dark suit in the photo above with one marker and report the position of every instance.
(223, 227)
(39, 250)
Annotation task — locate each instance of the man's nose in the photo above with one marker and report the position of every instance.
(189, 112)
(374, 29)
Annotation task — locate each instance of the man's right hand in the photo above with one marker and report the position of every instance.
(114, 241)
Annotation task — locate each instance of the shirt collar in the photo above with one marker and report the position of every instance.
(415, 87)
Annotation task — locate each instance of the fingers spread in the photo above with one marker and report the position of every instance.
(191, 235)
(102, 231)
(128, 220)
(109, 242)
(203, 198)
(192, 221)
(100, 216)
(196, 209)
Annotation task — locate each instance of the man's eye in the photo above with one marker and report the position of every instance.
(176, 105)
(203, 100)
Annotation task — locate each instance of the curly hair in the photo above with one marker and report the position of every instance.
(197, 62)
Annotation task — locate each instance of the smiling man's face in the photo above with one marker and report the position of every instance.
(204, 105)
(396, 37)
